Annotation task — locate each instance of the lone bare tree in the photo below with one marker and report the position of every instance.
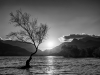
(30, 32)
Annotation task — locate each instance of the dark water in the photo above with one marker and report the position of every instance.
(50, 65)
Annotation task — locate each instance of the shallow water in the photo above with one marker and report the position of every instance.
(50, 65)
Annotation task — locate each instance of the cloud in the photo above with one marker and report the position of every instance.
(69, 38)
(5, 39)
(61, 39)
(0, 38)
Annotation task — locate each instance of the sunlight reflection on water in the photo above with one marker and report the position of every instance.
(50, 65)
(50, 60)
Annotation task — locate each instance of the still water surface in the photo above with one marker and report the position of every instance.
(49, 65)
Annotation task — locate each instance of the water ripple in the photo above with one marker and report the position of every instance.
(50, 66)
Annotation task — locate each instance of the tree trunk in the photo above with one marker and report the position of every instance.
(28, 61)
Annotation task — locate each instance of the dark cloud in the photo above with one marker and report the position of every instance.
(70, 37)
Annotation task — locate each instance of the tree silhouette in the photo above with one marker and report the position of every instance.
(30, 32)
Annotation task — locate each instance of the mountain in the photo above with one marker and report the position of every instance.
(80, 43)
(9, 50)
(26, 46)
(87, 42)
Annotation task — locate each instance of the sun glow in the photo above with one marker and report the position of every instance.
(50, 44)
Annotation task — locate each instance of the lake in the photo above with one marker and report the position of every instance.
(49, 65)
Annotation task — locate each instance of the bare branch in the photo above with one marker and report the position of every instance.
(31, 30)
(14, 36)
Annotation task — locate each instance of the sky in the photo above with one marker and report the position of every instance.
(63, 17)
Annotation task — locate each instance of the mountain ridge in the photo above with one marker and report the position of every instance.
(9, 50)
(83, 43)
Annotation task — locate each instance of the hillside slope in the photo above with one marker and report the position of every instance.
(9, 50)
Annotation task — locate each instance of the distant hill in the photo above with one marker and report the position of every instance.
(85, 43)
(25, 46)
(9, 50)
(20, 47)
(80, 43)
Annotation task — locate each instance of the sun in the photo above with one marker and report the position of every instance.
(50, 44)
